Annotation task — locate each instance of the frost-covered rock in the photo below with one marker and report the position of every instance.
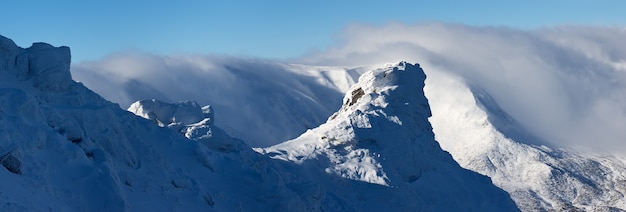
(381, 137)
(191, 120)
(48, 67)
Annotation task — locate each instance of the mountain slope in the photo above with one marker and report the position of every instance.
(382, 136)
(482, 137)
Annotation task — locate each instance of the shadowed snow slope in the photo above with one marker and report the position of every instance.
(382, 136)
(64, 148)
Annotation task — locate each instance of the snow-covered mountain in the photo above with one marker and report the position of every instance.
(65, 148)
(469, 124)
(381, 135)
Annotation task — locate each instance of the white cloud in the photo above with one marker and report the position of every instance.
(566, 84)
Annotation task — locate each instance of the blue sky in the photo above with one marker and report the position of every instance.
(270, 29)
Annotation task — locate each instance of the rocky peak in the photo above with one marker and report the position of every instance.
(47, 66)
(381, 136)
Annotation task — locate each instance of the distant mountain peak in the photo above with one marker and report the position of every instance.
(189, 119)
(166, 114)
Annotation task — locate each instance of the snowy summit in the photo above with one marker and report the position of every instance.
(381, 136)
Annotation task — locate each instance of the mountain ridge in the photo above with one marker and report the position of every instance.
(92, 140)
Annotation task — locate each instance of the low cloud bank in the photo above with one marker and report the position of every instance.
(259, 101)
(565, 84)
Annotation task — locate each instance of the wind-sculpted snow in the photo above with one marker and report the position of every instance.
(382, 136)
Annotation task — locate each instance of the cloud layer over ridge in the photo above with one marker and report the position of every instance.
(260, 101)
(565, 84)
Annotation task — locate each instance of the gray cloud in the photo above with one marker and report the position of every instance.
(565, 84)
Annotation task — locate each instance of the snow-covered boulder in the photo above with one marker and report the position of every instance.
(48, 67)
(191, 120)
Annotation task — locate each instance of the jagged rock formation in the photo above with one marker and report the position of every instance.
(191, 120)
(382, 136)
